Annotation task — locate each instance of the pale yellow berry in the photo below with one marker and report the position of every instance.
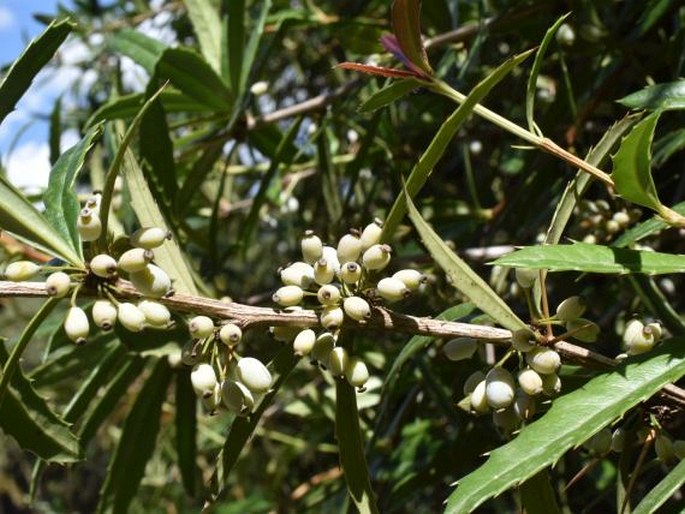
(312, 247)
(21, 270)
(322, 348)
(350, 272)
(499, 388)
(201, 327)
(392, 289)
(479, 402)
(254, 375)
(551, 384)
(530, 382)
(638, 338)
(330, 254)
(89, 225)
(356, 373)
(328, 294)
(337, 361)
(377, 257)
(332, 317)
(230, 334)
(543, 360)
(103, 265)
(298, 274)
(411, 278)
(76, 325)
(349, 248)
(135, 260)
(155, 313)
(288, 295)
(104, 314)
(203, 379)
(357, 308)
(58, 284)
(152, 281)
(131, 317)
(304, 342)
(324, 271)
(149, 237)
(371, 234)
(472, 381)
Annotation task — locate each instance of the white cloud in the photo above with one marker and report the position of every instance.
(28, 166)
(6, 18)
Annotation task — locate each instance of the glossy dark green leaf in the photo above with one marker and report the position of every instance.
(191, 75)
(659, 97)
(21, 218)
(423, 168)
(571, 420)
(593, 259)
(29, 420)
(462, 277)
(36, 55)
(55, 131)
(632, 173)
(186, 428)
(393, 91)
(61, 202)
(137, 442)
(235, 42)
(406, 26)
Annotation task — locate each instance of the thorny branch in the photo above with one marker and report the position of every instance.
(248, 316)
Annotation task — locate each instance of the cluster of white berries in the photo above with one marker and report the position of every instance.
(597, 222)
(223, 379)
(606, 440)
(102, 271)
(344, 281)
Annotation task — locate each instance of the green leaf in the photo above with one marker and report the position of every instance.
(531, 88)
(189, 73)
(462, 276)
(660, 493)
(406, 25)
(537, 495)
(418, 343)
(351, 447)
(632, 165)
(645, 229)
(21, 218)
(61, 203)
(388, 94)
(594, 259)
(36, 55)
(55, 131)
(29, 420)
(250, 51)
(136, 444)
(168, 256)
(128, 106)
(422, 170)
(207, 27)
(143, 49)
(235, 42)
(658, 97)
(186, 427)
(570, 421)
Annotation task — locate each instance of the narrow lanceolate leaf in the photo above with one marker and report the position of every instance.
(235, 39)
(531, 88)
(207, 26)
(143, 49)
(389, 94)
(136, 444)
(381, 71)
(250, 50)
(571, 420)
(21, 218)
(632, 174)
(422, 170)
(646, 228)
(186, 427)
(462, 276)
(659, 494)
(659, 97)
(61, 203)
(169, 255)
(191, 75)
(29, 420)
(351, 448)
(36, 55)
(406, 26)
(594, 259)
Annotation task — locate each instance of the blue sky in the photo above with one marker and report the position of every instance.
(27, 164)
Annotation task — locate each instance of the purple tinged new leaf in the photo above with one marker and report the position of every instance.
(406, 25)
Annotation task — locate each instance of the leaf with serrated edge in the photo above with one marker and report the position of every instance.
(632, 174)
(594, 259)
(572, 419)
(462, 276)
(61, 203)
(136, 444)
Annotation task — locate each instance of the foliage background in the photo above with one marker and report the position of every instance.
(239, 188)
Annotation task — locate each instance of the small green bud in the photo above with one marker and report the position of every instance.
(679, 449)
(551, 384)
(526, 277)
(58, 284)
(20, 271)
(524, 405)
(76, 325)
(472, 381)
(149, 237)
(618, 440)
(230, 334)
(600, 443)
(664, 448)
